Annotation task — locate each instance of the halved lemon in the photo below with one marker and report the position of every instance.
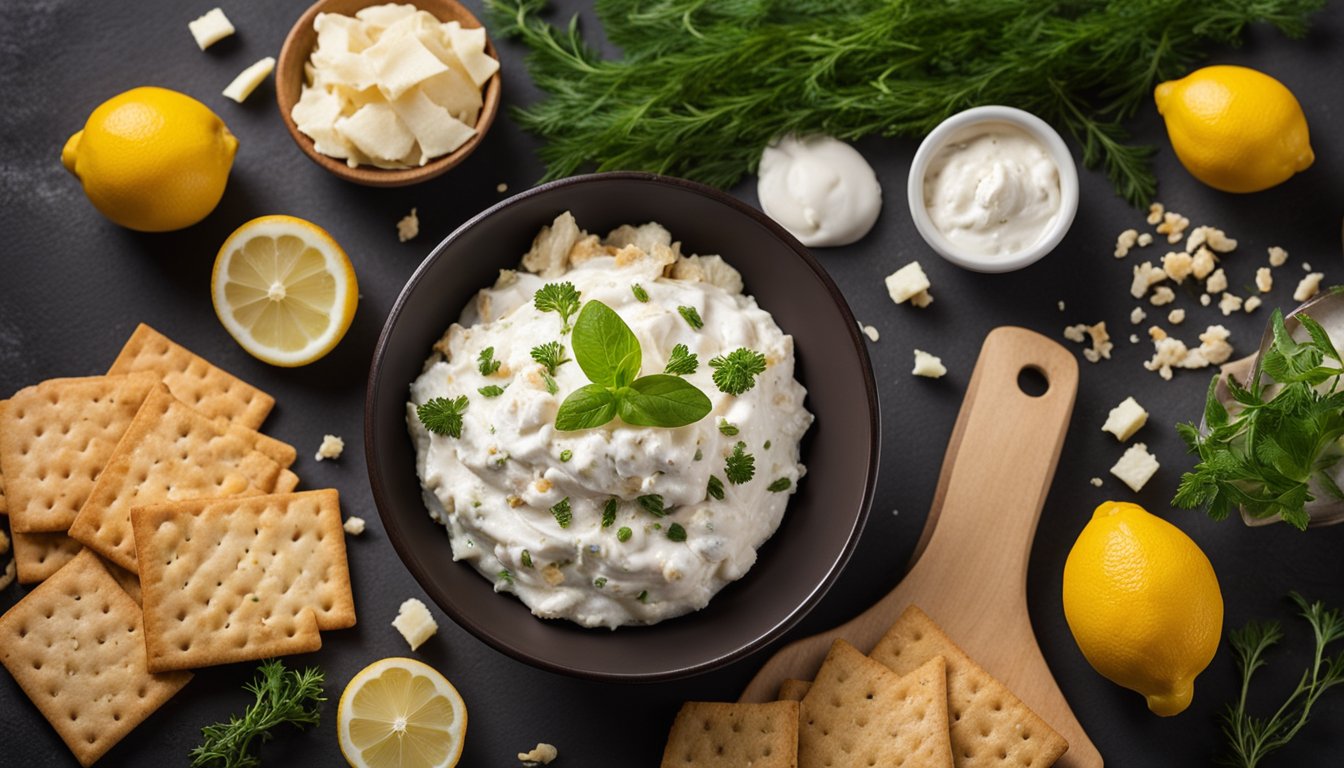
(401, 712)
(284, 290)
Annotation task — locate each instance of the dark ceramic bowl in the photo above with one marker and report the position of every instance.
(823, 521)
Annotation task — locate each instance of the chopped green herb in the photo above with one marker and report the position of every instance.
(692, 317)
(740, 466)
(443, 416)
(736, 373)
(506, 576)
(600, 582)
(609, 511)
(653, 504)
(715, 489)
(486, 361)
(558, 297)
(640, 294)
(699, 454)
(566, 455)
(767, 445)
(562, 513)
(780, 485)
(624, 534)
(727, 429)
(494, 390)
(283, 696)
(527, 559)
(643, 596)
(551, 386)
(551, 354)
(256, 599)
(676, 533)
(682, 362)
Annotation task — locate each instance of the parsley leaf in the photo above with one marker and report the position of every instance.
(486, 361)
(682, 362)
(493, 390)
(740, 467)
(551, 386)
(558, 297)
(780, 485)
(624, 534)
(727, 429)
(551, 354)
(736, 372)
(676, 533)
(653, 504)
(443, 416)
(562, 513)
(715, 489)
(609, 512)
(641, 295)
(692, 317)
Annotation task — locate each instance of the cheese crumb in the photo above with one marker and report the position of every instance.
(7, 577)
(870, 332)
(1125, 419)
(1202, 263)
(1061, 305)
(1096, 482)
(1156, 333)
(928, 366)
(210, 28)
(1136, 467)
(415, 623)
(1176, 316)
(1145, 240)
(1125, 241)
(1308, 287)
(542, 754)
(1133, 338)
(1215, 238)
(247, 81)
(1101, 340)
(1136, 316)
(1145, 276)
(1178, 265)
(909, 283)
(1155, 212)
(1277, 256)
(331, 448)
(1205, 299)
(1306, 267)
(1173, 226)
(1229, 304)
(1264, 280)
(408, 227)
(1170, 353)
(1162, 296)
(1251, 304)
(1217, 282)
(355, 527)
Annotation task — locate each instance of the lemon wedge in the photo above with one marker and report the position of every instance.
(401, 712)
(284, 290)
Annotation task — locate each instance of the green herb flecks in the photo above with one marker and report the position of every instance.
(682, 362)
(715, 489)
(551, 354)
(443, 416)
(653, 504)
(705, 86)
(676, 533)
(736, 372)
(623, 535)
(526, 559)
(740, 466)
(283, 696)
(600, 582)
(643, 596)
(610, 356)
(641, 295)
(727, 429)
(1265, 458)
(506, 576)
(562, 298)
(609, 511)
(780, 485)
(493, 390)
(692, 317)
(486, 362)
(551, 387)
(1251, 738)
(566, 455)
(562, 513)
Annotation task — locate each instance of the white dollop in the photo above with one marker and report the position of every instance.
(820, 189)
(993, 192)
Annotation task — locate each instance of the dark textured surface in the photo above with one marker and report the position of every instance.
(72, 286)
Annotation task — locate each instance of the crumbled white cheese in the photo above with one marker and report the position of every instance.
(1145, 240)
(1145, 276)
(870, 332)
(1217, 282)
(1178, 265)
(354, 525)
(501, 187)
(1096, 482)
(928, 366)
(1061, 305)
(1205, 299)
(1264, 280)
(7, 577)
(1162, 296)
(247, 81)
(1251, 304)
(1176, 316)
(1125, 241)
(1155, 212)
(330, 448)
(210, 28)
(1306, 267)
(1169, 352)
(1229, 304)
(909, 283)
(408, 226)
(1202, 263)
(1173, 226)
(1136, 467)
(1125, 419)
(542, 754)
(1101, 340)
(415, 623)
(1133, 338)
(1137, 315)
(1277, 256)
(1308, 287)
(1215, 238)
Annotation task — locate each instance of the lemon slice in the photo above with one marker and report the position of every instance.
(401, 712)
(284, 290)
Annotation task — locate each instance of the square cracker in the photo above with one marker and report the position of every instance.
(4, 507)
(711, 734)
(55, 437)
(74, 646)
(793, 690)
(227, 580)
(170, 452)
(989, 725)
(38, 555)
(193, 379)
(859, 714)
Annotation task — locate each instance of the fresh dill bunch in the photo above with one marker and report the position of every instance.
(702, 87)
(682, 361)
(283, 696)
(551, 354)
(443, 416)
(736, 372)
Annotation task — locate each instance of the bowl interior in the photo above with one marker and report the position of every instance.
(289, 80)
(824, 519)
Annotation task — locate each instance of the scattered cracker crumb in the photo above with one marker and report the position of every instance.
(1155, 212)
(408, 227)
(501, 187)
(1137, 315)
(1162, 296)
(542, 754)
(331, 448)
(1125, 241)
(1145, 276)
(1178, 265)
(1306, 267)
(354, 525)
(1061, 305)
(1214, 237)
(909, 283)
(928, 366)
(1202, 263)
(1176, 316)
(7, 577)
(1145, 240)
(4, 543)
(1277, 256)
(1136, 467)
(1217, 282)
(415, 623)
(1251, 304)
(1156, 333)
(1205, 299)
(870, 332)
(1308, 287)
(1173, 226)
(1101, 340)
(1264, 280)
(1170, 352)
(1229, 304)
(1133, 338)
(1096, 482)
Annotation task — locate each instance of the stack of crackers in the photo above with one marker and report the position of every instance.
(164, 534)
(917, 700)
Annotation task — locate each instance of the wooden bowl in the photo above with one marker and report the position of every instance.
(289, 81)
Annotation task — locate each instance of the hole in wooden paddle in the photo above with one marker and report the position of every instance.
(1031, 380)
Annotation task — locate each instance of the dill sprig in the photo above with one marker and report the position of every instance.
(283, 696)
(701, 87)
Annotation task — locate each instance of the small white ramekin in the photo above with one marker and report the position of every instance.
(956, 126)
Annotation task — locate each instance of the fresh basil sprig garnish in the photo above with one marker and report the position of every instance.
(610, 356)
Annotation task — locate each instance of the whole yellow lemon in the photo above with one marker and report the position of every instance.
(1143, 604)
(1234, 128)
(152, 159)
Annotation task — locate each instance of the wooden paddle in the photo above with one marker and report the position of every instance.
(970, 572)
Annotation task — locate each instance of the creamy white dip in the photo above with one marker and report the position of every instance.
(993, 192)
(820, 189)
(495, 486)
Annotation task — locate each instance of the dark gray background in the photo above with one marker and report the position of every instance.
(73, 286)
